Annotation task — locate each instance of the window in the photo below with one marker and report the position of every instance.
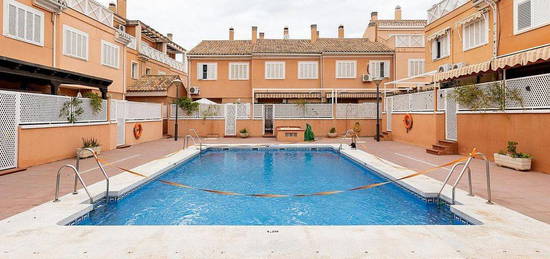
(75, 43)
(308, 70)
(379, 68)
(134, 70)
(530, 14)
(148, 71)
(207, 71)
(23, 23)
(412, 40)
(416, 67)
(346, 69)
(440, 47)
(475, 34)
(238, 71)
(274, 70)
(109, 54)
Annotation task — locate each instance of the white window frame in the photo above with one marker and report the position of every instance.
(27, 9)
(533, 25)
(316, 74)
(340, 62)
(270, 77)
(448, 36)
(230, 71)
(69, 28)
(117, 48)
(134, 73)
(375, 63)
(486, 28)
(199, 71)
(410, 62)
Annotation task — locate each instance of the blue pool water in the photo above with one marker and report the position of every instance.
(270, 171)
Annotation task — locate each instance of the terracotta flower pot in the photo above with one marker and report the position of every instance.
(243, 135)
(332, 134)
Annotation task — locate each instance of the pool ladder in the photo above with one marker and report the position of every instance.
(193, 138)
(78, 177)
(466, 167)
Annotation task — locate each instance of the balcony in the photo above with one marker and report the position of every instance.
(442, 8)
(93, 10)
(126, 39)
(160, 57)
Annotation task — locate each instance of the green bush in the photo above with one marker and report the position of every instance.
(90, 143)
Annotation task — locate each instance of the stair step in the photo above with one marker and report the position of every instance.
(433, 151)
(448, 142)
(439, 147)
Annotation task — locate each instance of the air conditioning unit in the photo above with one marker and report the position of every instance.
(445, 68)
(367, 78)
(194, 90)
(459, 65)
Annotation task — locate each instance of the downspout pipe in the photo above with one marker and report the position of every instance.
(496, 28)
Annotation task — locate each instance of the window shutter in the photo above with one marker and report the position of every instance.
(37, 28)
(540, 12)
(524, 15)
(20, 23)
(12, 20)
(386, 69)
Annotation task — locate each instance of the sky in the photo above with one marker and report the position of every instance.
(194, 20)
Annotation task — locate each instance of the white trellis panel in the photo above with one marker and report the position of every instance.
(230, 119)
(258, 111)
(9, 116)
(160, 56)
(451, 131)
(422, 102)
(93, 10)
(483, 87)
(535, 91)
(138, 111)
(401, 103)
(389, 105)
(356, 110)
(243, 111)
(300, 111)
(440, 9)
(441, 100)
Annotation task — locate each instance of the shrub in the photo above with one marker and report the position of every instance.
(244, 131)
(332, 130)
(187, 105)
(90, 143)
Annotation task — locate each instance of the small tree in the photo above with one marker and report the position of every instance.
(187, 105)
(72, 110)
(494, 95)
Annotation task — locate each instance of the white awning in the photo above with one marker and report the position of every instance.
(205, 101)
(466, 70)
(522, 58)
(438, 34)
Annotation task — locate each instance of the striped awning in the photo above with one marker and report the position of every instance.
(466, 70)
(522, 58)
(359, 95)
(288, 95)
(438, 34)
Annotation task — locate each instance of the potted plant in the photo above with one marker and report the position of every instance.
(513, 159)
(332, 133)
(244, 133)
(91, 143)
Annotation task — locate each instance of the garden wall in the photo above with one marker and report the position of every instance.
(427, 129)
(152, 130)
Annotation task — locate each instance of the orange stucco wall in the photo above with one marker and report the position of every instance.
(490, 133)
(427, 129)
(152, 130)
(321, 128)
(44, 145)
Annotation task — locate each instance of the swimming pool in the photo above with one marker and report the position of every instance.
(288, 171)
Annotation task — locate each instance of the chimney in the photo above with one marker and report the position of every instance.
(170, 36)
(341, 31)
(254, 34)
(231, 33)
(374, 16)
(121, 8)
(112, 7)
(398, 12)
(285, 33)
(262, 35)
(314, 33)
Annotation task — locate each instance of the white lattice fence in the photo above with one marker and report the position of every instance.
(441, 95)
(258, 111)
(483, 87)
(8, 129)
(356, 110)
(534, 90)
(93, 9)
(45, 109)
(298, 111)
(138, 111)
(422, 102)
(243, 110)
(205, 111)
(401, 103)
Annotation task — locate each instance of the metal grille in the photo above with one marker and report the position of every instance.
(535, 91)
(422, 102)
(120, 115)
(258, 111)
(401, 103)
(441, 100)
(389, 105)
(243, 110)
(230, 119)
(44, 109)
(136, 111)
(8, 129)
(450, 117)
(297, 111)
(483, 87)
(356, 110)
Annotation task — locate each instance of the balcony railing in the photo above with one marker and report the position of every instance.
(93, 10)
(160, 56)
(126, 39)
(442, 8)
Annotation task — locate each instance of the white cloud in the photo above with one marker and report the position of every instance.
(194, 20)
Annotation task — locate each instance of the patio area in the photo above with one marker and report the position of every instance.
(525, 192)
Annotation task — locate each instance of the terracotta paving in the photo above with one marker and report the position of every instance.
(525, 192)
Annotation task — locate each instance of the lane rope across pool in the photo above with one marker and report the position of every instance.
(324, 193)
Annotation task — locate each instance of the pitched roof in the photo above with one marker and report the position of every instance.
(288, 46)
(153, 83)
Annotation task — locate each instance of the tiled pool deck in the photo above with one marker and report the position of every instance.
(504, 233)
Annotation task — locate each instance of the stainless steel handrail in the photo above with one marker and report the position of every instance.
(197, 136)
(488, 177)
(451, 173)
(77, 175)
(466, 167)
(100, 167)
(186, 141)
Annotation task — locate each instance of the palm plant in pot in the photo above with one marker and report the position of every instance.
(332, 133)
(513, 159)
(244, 133)
(91, 143)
